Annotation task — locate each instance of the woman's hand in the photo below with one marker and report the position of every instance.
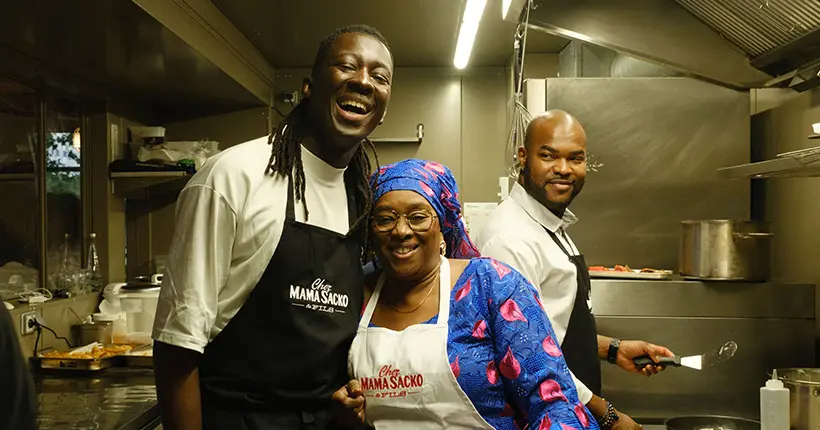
(349, 401)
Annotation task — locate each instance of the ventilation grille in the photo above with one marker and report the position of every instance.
(757, 26)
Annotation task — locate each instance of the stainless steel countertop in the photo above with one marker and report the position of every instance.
(116, 398)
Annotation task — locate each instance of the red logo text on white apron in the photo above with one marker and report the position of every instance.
(319, 297)
(392, 383)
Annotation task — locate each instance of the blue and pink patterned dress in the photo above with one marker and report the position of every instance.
(503, 352)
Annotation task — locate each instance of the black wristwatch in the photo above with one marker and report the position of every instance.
(610, 417)
(612, 354)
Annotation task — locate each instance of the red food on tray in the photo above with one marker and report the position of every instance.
(620, 268)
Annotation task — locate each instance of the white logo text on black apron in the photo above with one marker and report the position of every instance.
(319, 297)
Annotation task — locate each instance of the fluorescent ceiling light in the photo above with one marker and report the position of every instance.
(505, 7)
(467, 32)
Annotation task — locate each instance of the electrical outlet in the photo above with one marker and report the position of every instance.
(27, 320)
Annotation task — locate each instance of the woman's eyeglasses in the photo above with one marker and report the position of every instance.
(419, 221)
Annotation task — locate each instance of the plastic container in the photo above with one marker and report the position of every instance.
(139, 308)
(774, 405)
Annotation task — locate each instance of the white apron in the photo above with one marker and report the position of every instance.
(406, 374)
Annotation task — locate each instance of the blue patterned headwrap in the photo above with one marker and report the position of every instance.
(434, 182)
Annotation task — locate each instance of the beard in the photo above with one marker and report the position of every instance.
(538, 190)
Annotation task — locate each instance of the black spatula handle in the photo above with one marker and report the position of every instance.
(644, 360)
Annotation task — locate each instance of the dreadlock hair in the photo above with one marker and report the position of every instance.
(286, 153)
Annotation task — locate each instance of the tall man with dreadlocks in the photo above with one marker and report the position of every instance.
(263, 287)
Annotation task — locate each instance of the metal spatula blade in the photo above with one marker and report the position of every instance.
(692, 362)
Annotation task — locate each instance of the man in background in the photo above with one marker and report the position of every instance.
(528, 232)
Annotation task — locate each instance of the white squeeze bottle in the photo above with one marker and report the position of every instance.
(774, 405)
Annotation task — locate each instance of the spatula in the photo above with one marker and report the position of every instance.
(697, 362)
(692, 361)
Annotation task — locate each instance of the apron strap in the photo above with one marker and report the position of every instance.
(364, 322)
(352, 206)
(444, 292)
(290, 213)
(558, 241)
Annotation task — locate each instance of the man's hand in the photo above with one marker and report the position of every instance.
(631, 349)
(625, 423)
(350, 404)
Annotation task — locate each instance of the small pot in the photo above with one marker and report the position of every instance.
(725, 250)
(710, 422)
(804, 396)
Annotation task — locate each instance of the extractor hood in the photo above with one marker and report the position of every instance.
(736, 43)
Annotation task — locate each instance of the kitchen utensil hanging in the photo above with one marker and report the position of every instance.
(520, 116)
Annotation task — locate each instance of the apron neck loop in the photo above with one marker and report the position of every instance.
(443, 300)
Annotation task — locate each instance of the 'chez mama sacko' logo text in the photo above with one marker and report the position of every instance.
(319, 297)
(390, 382)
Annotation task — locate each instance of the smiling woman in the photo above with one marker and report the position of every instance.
(447, 338)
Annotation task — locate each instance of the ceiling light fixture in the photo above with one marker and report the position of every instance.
(467, 32)
(505, 7)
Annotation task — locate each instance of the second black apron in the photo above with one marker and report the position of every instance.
(580, 343)
(279, 359)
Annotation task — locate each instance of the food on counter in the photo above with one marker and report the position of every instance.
(620, 268)
(96, 352)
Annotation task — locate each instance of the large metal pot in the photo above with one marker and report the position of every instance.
(711, 422)
(725, 250)
(804, 396)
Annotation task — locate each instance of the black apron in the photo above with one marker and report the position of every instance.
(580, 343)
(280, 358)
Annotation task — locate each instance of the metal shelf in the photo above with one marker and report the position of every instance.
(797, 164)
(418, 138)
(158, 175)
(136, 185)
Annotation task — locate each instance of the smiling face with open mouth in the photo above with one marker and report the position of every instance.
(411, 249)
(350, 90)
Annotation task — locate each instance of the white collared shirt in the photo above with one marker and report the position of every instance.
(515, 234)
